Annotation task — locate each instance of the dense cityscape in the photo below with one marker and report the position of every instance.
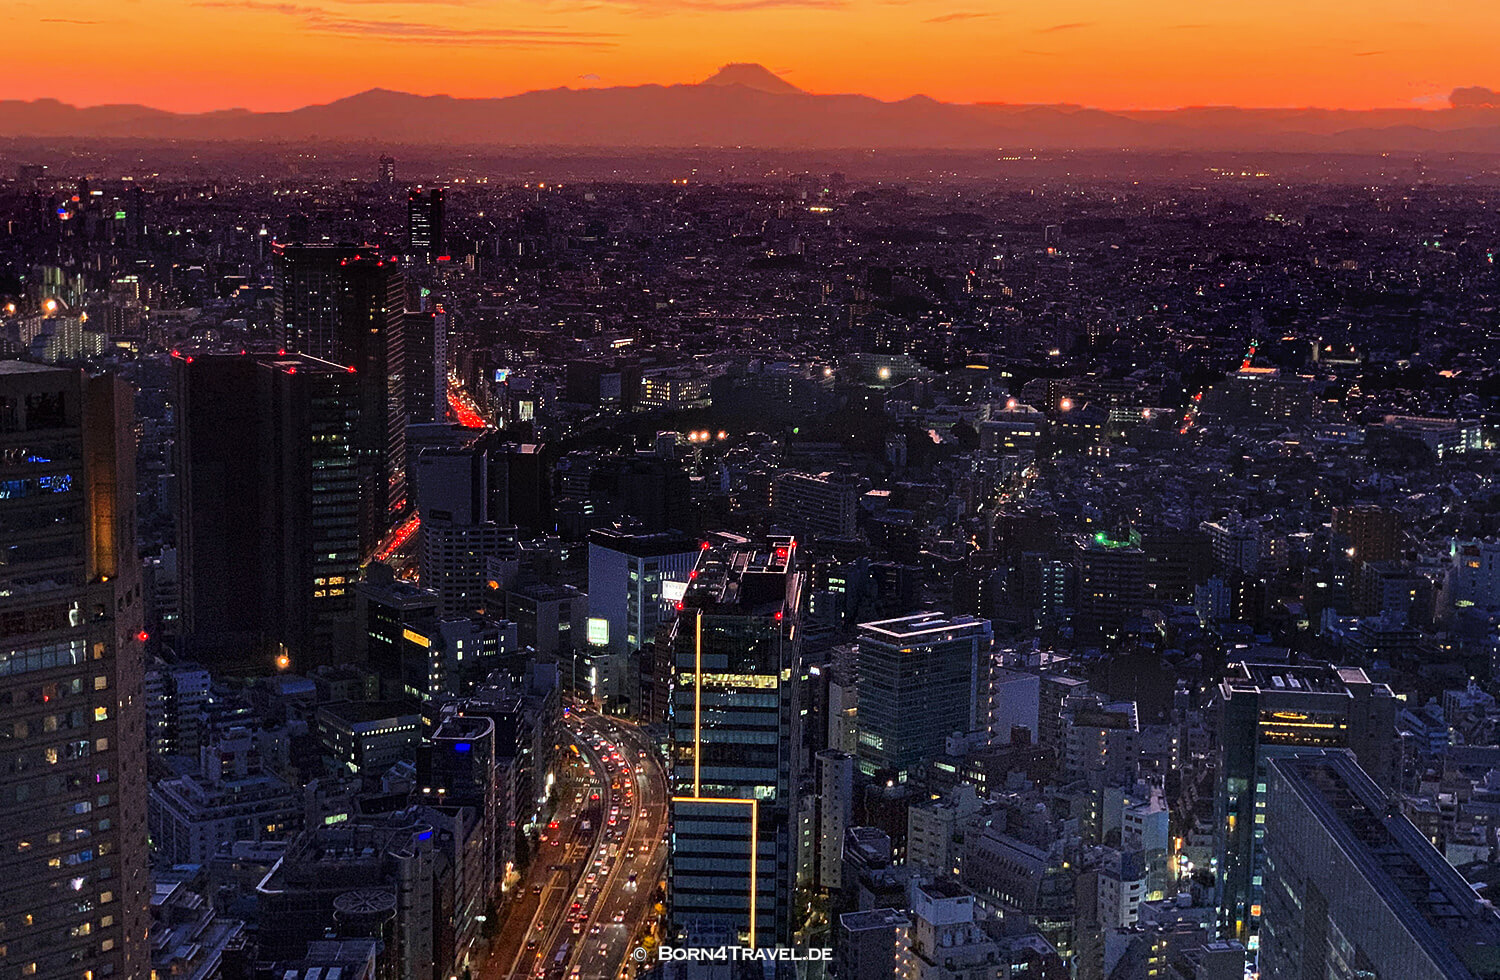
(1061, 566)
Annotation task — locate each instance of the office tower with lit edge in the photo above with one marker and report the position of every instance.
(73, 882)
(734, 708)
(346, 304)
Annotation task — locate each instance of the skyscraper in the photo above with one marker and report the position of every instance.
(346, 304)
(424, 224)
(1354, 890)
(426, 379)
(268, 507)
(310, 509)
(218, 531)
(734, 704)
(634, 581)
(73, 883)
(918, 684)
(1269, 710)
(457, 536)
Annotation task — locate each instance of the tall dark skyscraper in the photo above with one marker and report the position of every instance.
(311, 420)
(424, 223)
(346, 304)
(426, 346)
(733, 711)
(73, 881)
(268, 508)
(218, 529)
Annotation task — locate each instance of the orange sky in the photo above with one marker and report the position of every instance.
(276, 54)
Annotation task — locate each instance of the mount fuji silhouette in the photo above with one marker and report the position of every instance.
(747, 105)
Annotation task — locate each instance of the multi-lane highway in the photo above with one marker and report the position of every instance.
(590, 893)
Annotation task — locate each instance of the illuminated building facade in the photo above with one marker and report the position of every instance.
(731, 722)
(73, 881)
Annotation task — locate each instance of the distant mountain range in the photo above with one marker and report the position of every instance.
(744, 105)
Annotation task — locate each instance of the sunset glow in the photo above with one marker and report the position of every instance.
(214, 54)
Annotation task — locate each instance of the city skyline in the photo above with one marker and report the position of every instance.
(222, 54)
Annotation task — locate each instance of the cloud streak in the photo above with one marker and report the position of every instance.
(1059, 28)
(324, 21)
(960, 15)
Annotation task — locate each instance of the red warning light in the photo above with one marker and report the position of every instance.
(778, 615)
(143, 636)
(679, 605)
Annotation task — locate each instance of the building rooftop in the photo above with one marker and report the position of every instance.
(1308, 678)
(27, 367)
(736, 574)
(920, 626)
(873, 919)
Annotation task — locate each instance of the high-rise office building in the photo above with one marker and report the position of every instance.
(1353, 889)
(309, 416)
(346, 304)
(918, 683)
(426, 348)
(268, 493)
(733, 711)
(1270, 710)
(424, 224)
(635, 580)
(219, 485)
(73, 882)
(387, 170)
(453, 497)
